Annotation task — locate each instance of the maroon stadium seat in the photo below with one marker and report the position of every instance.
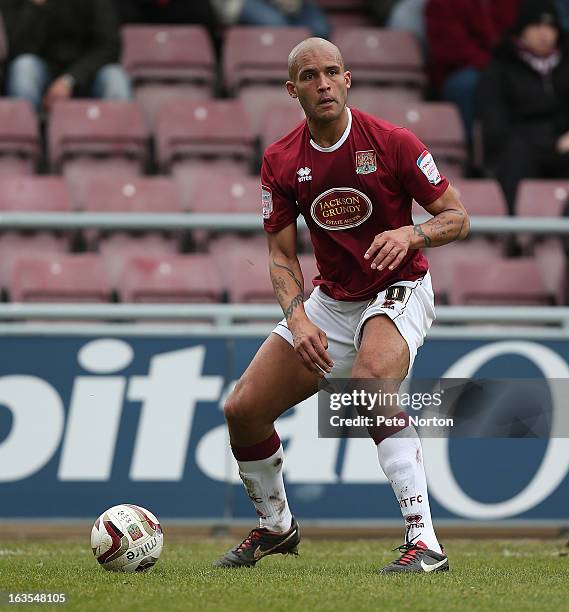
(119, 247)
(545, 198)
(542, 198)
(481, 197)
(59, 278)
(244, 265)
(258, 55)
(141, 194)
(170, 279)
(503, 281)
(255, 67)
(203, 130)
(166, 61)
(14, 246)
(377, 56)
(97, 129)
(223, 193)
(31, 194)
(365, 97)
(442, 259)
(437, 124)
(259, 102)
(19, 137)
(34, 194)
(281, 119)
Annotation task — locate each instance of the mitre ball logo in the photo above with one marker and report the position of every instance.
(341, 208)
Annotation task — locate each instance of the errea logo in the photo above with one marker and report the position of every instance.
(304, 174)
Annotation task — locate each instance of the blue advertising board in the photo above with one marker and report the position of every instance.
(88, 422)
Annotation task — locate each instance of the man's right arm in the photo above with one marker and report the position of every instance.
(310, 342)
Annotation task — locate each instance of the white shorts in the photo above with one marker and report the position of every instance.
(409, 304)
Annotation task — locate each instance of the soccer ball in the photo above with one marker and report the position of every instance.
(127, 538)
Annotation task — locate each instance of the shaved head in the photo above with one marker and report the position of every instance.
(306, 47)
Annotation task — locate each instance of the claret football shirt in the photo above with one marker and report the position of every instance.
(348, 193)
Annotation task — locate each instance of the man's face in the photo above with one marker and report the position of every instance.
(540, 39)
(321, 84)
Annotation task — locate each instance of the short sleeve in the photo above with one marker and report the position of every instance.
(279, 209)
(416, 168)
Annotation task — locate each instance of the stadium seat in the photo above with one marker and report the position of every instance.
(442, 259)
(244, 265)
(545, 198)
(15, 245)
(260, 100)
(255, 67)
(170, 279)
(203, 130)
(365, 97)
(347, 13)
(382, 57)
(258, 55)
(141, 194)
(34, 194)
(280, 121)
(481, 197)
(542, 198)
(148, 195)
(214, 192)
(31, 194)
(437, 124)
(118, 247)
(110, 136)
(501, 282)
(59, 278)
(223, 193)
(19, 137)
(552, 261)
(167, 61)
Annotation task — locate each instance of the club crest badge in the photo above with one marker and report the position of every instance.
(366, 162)
(134, 531)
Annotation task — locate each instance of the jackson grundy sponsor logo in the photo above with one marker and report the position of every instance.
(341, 208)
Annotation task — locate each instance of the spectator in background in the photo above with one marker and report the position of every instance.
(59, 49)
(403, 15)
(167, 11)
(524, 101)
(563, 13)
(461, 35)
(275, 13)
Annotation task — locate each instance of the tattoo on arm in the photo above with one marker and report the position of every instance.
(419, 231)
(290, 272)
(296, 301)
(442, 228)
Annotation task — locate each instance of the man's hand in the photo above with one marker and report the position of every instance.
(563, 143)
(389, 248)
(310, 343)
(60, 89)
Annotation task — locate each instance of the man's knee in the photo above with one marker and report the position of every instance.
(27, 76)
(239, 408)
(385, 367)
(112, 83)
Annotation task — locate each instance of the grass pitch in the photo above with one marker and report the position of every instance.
(328, 575)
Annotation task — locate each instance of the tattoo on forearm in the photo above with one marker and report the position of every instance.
(296, 301)
(290, 272)
(419, 231)
(443, 228)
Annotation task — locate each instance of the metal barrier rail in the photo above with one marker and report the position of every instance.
(228, 314)
(241, 222)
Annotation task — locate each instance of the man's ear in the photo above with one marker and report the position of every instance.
(291, 88)
(348, 79)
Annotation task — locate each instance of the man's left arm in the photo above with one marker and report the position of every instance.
(450, 222)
